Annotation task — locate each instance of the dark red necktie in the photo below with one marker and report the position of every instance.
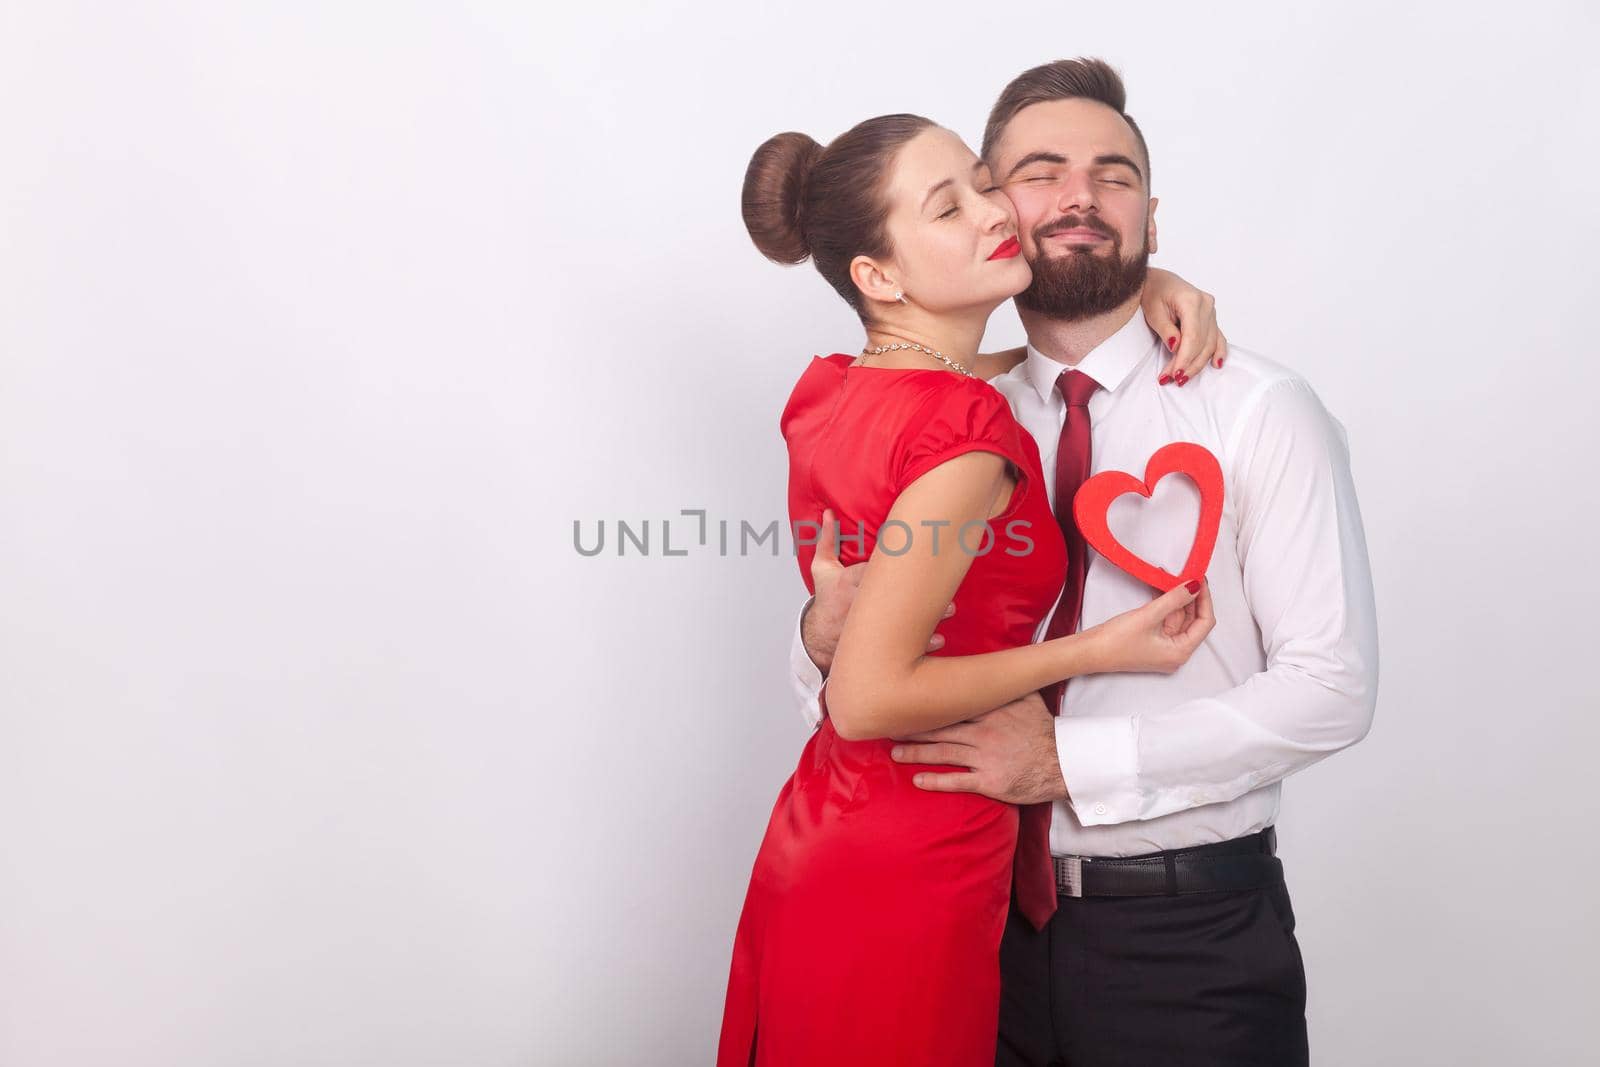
(1035, 874)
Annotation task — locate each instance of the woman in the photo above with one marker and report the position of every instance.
(871, 929)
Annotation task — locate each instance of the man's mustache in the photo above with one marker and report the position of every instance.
(1074, 222)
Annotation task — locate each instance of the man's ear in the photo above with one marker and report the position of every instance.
(1150, 224)
(870, 277)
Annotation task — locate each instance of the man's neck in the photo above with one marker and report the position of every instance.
(1069, 340)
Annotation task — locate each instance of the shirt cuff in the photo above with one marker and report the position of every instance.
(1100, 763)
(804, 675)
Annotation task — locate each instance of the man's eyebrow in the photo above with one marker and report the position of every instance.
(1036, 157)
(1055, 157)
(979, 165)
(1111, 160)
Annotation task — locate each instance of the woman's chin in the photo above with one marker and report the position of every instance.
(1007, 285)
(988, 297)
(1021, 286)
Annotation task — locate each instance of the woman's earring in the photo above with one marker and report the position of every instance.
(898, 295)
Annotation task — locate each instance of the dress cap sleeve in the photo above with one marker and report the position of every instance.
(972, 417)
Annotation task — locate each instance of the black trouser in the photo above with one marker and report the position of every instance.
(1209, 979)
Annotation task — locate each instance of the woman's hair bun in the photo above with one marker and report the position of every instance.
(774, 196)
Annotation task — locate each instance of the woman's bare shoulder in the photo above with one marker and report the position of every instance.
(993, 364)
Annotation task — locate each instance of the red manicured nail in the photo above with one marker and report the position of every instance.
(1183, 379)
(1164, 379)
(1219, 364)
(1193, 585)
(1172, 344)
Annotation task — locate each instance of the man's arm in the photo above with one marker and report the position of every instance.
(1309, 589)
(816, 633)
(804, 675)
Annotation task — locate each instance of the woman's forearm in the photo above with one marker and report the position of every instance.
(935, 691)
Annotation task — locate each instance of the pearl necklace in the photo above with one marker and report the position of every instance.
(952, 364)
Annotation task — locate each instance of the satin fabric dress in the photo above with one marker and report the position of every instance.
(871, 928)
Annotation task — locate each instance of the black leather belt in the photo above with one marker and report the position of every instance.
(1248, 862)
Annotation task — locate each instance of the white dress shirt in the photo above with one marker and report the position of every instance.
(1289, 674)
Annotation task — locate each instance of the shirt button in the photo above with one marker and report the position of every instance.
(1099, 809)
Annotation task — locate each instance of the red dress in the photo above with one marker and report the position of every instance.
(871, 929)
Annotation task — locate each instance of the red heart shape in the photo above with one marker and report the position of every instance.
(1092, 504)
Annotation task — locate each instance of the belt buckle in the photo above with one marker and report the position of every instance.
(1069, 875)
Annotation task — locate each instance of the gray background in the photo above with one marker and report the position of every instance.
(319, 326)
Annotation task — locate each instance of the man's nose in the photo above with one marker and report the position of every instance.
(1077, 194)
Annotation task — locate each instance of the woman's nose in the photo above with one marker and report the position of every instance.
(998, 218)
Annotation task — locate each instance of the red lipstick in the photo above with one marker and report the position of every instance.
(1008, 248)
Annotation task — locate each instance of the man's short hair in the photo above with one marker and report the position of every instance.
(1064, 79)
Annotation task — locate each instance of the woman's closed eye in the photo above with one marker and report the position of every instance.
(952, 210)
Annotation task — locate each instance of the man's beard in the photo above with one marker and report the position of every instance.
(1080, 284)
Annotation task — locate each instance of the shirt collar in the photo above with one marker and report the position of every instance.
(1109, 363)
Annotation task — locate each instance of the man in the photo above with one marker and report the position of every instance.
(1170, 938)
